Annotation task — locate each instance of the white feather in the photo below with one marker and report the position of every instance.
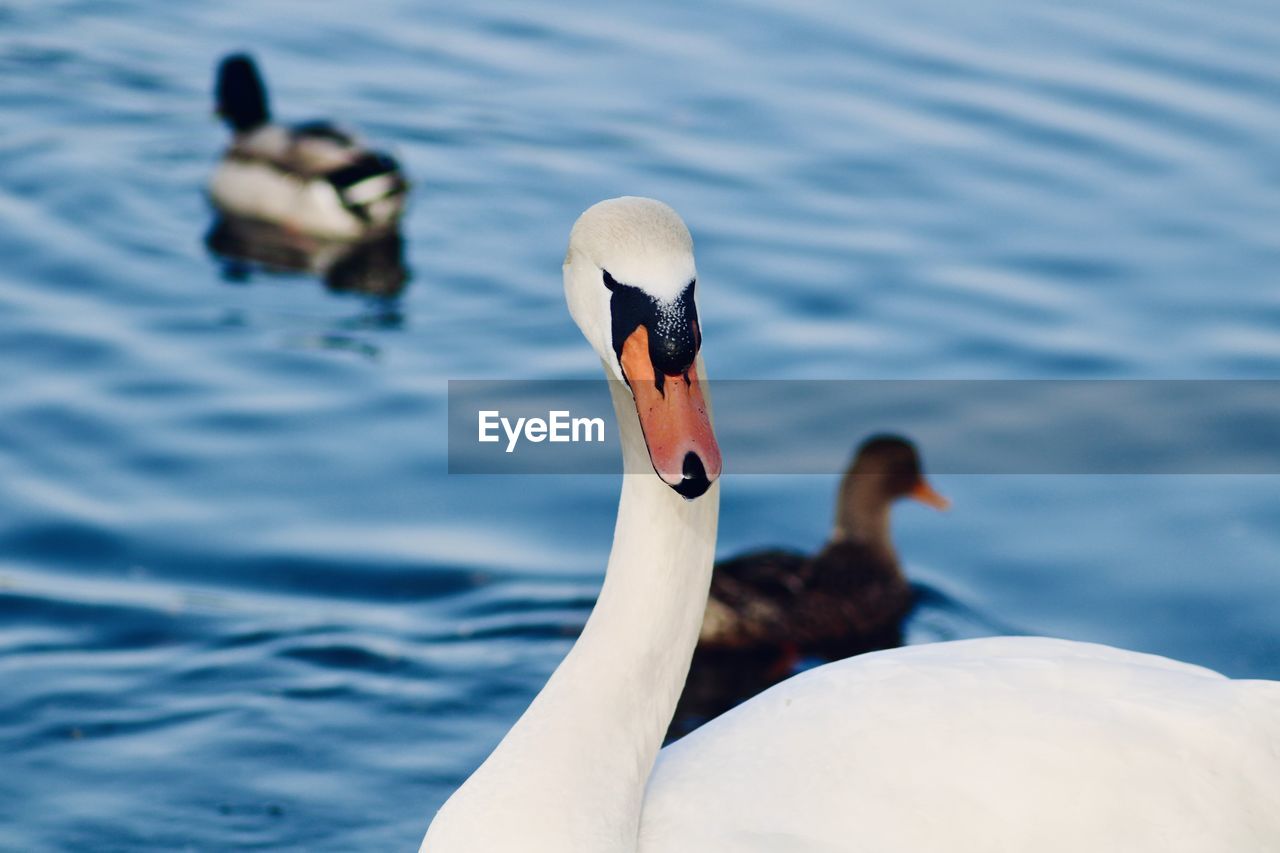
(1006, 744)
(256, 190)
(370, 189)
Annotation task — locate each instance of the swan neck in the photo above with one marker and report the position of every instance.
(571, 774)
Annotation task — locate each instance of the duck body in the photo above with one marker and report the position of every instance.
(980, 746)
(847, 599)
(314, 178)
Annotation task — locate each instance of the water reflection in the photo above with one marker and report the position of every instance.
(374, 266)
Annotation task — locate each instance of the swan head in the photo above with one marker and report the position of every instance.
(629, 278)
(240, 94)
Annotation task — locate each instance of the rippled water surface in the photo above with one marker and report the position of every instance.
(241, 603)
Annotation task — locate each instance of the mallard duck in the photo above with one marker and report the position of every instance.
(314, 178)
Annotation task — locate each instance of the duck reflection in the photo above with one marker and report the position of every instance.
(373, 266)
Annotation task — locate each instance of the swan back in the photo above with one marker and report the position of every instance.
(1006, 744)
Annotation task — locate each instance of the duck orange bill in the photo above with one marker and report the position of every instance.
(927, 494)
(673, 417)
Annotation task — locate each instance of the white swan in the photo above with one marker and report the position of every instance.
(1011, 744)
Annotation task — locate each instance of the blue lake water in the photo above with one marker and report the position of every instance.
(242, 605)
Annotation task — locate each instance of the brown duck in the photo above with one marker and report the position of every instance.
(768, 608)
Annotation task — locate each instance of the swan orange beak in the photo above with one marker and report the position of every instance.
(929, 496)
(674, 419)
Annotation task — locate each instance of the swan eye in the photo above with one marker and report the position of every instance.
(609, 281)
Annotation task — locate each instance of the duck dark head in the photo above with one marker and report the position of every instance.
(240, 94)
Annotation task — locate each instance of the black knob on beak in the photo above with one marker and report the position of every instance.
(695, 482)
